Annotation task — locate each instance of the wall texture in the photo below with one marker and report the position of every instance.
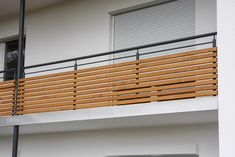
(133, 141)
(226, 55)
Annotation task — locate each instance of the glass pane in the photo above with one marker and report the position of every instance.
(11, 55)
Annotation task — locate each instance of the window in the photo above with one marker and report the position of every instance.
(152, 24)
(166, 21)
(11, 56)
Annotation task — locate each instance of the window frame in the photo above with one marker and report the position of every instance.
(3, 53)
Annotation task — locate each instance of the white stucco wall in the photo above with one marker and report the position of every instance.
(81, 27)
(201, 139)
(226, 38)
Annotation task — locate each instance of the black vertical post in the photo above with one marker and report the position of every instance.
(214, 41)
(137, 69)
(214, 45)
(15, 141)
(75, 83)
(137, 55)
(19, 73)
(20, 68)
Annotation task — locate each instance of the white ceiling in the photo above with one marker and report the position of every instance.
(11, 7)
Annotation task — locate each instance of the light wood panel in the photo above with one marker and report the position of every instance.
(7, 97)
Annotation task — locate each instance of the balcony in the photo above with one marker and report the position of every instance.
(149, 74)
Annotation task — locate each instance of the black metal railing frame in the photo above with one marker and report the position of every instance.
(136, 55)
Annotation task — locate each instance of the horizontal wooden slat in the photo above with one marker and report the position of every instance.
(6, 101)
(186, 90)
(6, 97)
(6, 109)
(6, 93)
(9, 113)
(7, 82)
(7, 89)
(6, 86)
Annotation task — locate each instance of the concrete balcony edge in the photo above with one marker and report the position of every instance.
(185, 111)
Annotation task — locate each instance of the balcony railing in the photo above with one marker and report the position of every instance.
(189, 71)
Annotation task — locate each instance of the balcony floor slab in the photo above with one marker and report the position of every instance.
(177, 112)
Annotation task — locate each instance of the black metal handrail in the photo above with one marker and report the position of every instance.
(213, 34)
(124, 50)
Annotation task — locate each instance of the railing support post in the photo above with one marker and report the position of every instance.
(214, 44)
(75, 83)
(19, 74)
(15, 141)
(214, 41)
(137, 69)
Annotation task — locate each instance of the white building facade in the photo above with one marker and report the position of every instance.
(57, 30)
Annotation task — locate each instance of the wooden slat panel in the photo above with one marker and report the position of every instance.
(167, 77)
(6, 97)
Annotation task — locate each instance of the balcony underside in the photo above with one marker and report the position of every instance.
(178, 112)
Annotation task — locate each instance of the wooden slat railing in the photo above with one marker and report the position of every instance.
(167, 77)
(7, 92)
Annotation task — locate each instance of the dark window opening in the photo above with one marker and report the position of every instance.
(11, 57)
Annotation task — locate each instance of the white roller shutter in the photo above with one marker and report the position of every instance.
(157, 23)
